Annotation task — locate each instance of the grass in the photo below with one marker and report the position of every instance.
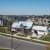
(40, 42)
(25, 39)
(46, 38)
(4, 49)
(2, 30)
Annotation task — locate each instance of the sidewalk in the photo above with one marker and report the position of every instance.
(26, 37)
(32, 39)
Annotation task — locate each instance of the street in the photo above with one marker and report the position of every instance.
(19, 44)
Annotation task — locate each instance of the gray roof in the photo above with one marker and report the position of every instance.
(17, 24)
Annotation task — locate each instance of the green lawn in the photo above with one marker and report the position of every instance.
(4, 49)
(2, 29)
(46, 38)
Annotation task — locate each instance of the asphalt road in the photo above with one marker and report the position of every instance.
(19, 44)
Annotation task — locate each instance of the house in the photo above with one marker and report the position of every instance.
(49, 21)
(39, 31)
(24, 27)
(29, 20)
(21, 26)
(3, 22)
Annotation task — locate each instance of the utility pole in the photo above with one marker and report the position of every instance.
(11, 32)
(11, 41)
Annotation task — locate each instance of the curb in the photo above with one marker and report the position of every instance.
(30, 40)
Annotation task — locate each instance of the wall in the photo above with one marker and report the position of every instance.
(42, 33)
(1, 22)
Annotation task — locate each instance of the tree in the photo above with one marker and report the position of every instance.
(9, 24)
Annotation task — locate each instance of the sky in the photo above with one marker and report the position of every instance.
(24, 7)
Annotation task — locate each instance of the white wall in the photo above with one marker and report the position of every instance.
(46, 32)
(12, 29)
(1, 22)
(41, 33)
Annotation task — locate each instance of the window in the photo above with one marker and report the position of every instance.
(48, 21)
(36, 32)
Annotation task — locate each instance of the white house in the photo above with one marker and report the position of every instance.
(18, 26)
(39, 31)
(1, 22)
(49, 22)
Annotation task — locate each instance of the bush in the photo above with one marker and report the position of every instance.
(3, 30)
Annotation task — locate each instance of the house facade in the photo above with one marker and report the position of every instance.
(39, 31)
(49, 22)
(22, 27)
(3, 22)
